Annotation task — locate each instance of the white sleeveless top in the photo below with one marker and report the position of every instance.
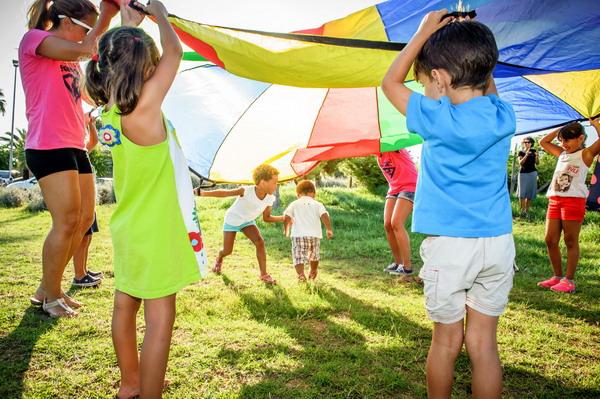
(569, 176)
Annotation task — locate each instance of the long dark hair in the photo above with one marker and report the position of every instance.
(43, 14)
(126, 59)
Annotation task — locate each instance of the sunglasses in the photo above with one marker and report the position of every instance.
(78, 22)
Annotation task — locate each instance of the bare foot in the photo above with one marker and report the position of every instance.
(71, 302)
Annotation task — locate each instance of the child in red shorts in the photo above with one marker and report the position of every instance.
(566, 199)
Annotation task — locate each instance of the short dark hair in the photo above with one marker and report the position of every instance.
(466, 49)
(305, 187)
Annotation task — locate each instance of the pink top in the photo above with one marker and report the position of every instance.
(52, 97)
(399, 170)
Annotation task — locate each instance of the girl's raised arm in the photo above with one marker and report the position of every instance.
(592, 151)
(156, 88)
(547, 144)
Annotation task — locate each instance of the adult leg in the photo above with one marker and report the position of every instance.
(402, 209)
(482, 347)
(159, 315)
(228, 241)
(388, 212)
(446, 344)
(253, 235)
(522, 205)
(80, 257)
(125, 343)
(571, 229)
(526, 204)
(63, 198)
(553, 230)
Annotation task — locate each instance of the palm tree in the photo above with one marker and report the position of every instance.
(2, 103)
(18, 148)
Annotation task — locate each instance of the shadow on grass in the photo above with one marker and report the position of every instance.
(581, 305)
(23, 215)
(17, 238)
(334, 355)
(521, 383)
(16, 350)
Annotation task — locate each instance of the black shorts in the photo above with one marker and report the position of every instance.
(46, 162)
(94, 227)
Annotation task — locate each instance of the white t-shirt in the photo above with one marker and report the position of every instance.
(569, 176)
(306, 215)
(247, 207)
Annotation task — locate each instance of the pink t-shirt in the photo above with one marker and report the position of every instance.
(399, 171)
(52, 97)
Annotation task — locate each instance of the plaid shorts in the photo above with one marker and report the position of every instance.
(305, 249)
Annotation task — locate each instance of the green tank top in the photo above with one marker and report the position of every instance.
(157, 241)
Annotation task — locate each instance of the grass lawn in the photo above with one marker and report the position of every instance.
(356, 333)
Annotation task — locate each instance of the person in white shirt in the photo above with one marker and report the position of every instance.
(251, 201)
(304, 216)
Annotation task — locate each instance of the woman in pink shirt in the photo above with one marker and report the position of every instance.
(61, 33)
(401, 175)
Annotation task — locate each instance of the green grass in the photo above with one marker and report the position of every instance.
(356, 334)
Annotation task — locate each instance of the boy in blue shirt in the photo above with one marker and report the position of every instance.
(461, 200)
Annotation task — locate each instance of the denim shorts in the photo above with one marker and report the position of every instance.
(407, 195)
(237, 229)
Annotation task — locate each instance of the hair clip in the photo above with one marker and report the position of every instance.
(460, 14)
(95, 57)
(139, 7)
(50, 4)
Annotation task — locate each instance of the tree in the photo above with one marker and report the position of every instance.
(18, 149)
(366, 171)
(2, 103)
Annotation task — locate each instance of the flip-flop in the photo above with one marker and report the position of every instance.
(266, 278)
(59, 303)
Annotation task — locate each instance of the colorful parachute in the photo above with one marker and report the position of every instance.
(549, 70)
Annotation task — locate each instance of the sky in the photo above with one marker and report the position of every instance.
(270, 15)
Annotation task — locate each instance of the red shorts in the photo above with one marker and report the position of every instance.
(566, 208)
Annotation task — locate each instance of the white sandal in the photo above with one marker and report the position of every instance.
(59, 303)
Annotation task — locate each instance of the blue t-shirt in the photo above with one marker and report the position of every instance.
(462, 186)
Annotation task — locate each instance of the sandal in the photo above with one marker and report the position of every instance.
(217, 267)
(266, 278)
(59, 303)
(35, 302)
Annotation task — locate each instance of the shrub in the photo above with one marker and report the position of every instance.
(36, 201)
(105, 194)
(13, 197)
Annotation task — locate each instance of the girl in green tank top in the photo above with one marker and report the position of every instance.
(156, 236)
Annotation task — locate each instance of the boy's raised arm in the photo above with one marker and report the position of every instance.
(393, 83)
